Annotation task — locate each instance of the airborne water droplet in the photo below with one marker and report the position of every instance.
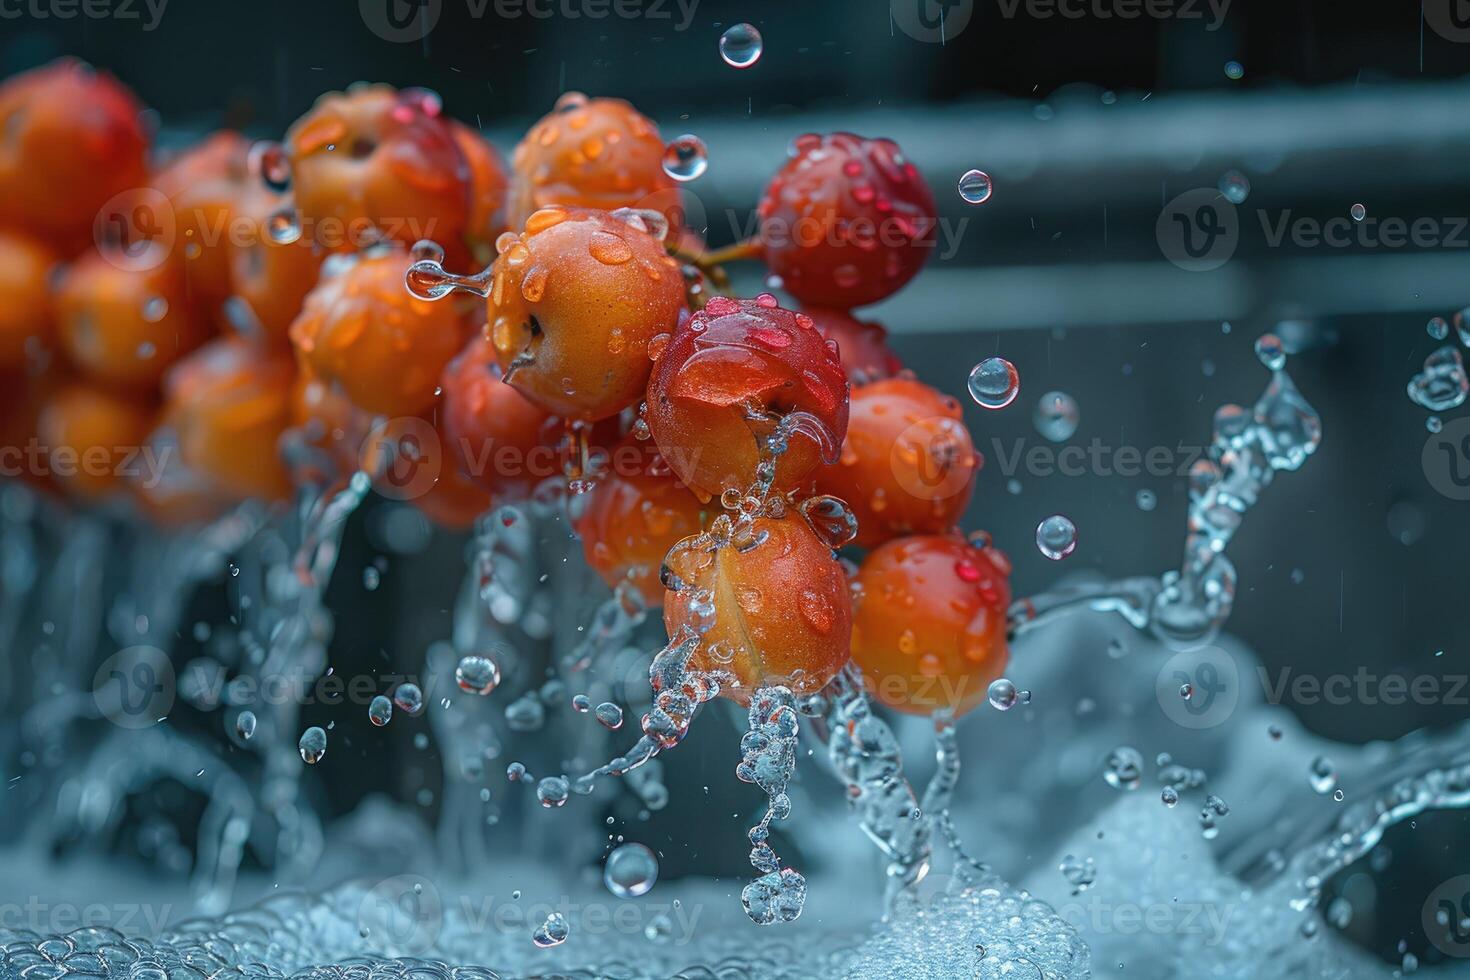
(686, 158)
(313, 745)
(630, 870)
(975, 187)
(409, 698)
(1271, 351)
(1235, 186)
(552, 932)
(1056, 537)
(994, 383)
(1002, 694)
(245, 725)
(741, 46)
(1438, 327)
(1057, 416)
(1358, 212)
(477, 675)
(1124, 768)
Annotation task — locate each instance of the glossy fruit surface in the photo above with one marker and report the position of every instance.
(929, 622)
(575, 299)
(27, 316)
(269, 279)
(497, 438)
(489, 184)
(73, 139)
(862, 345)
(777, 611)
(361, 330)
(92, 439)
(907, 466)
(125, 326)
(723, 379)
(635, 514)
(204, 185)
(847, 221)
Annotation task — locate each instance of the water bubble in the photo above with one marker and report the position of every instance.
(1438, 327)
(686, 158)
(610, 715)
(976, 187)
(1145, 500)
(552, 791)
(1271, 351)
(1170, 796)
(994, 383)
(630, 870)
(741, 46)
(1322, 775)
(1235, 186)
(245, 725)
(1358, 212)
(1338, 795)
(380, 711)
(1124, 768)
(516, 772)
(477, 675)
(1057, 416)
(552, 932)
(409, 698)
(313, 745)
(1056, 537)
(1234, 70)
(1002, 694)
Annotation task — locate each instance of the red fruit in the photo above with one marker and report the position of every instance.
(27, 318)
(575, 300)
(92, 439)
(376, 163)
(722, 378)
(204, 185)
(73, 138)
(592, 153)
(498, 439)
(633, 516)
(929, 622)
(862, 346)
(269, 279)
(360, 329)
(847, 221)
(488, 187)
(907, 466)
(781, 608)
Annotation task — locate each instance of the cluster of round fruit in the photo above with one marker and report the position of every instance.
(237, 318)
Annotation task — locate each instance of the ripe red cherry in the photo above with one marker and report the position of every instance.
(862, 345)
(907, 466)
(722, 378)
(499, 439)
(847, 221)
(781, 609)
(636, 512)
(929, 622)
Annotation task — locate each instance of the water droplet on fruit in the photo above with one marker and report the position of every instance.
(686, 158)
(975, 187)
(741, 46)
(1056, 537)
(1057, 416)
(155, 309)
(313, 745)
(630, 870)
(994, 383)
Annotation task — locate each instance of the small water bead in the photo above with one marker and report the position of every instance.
(1002, 694)
(552, 791)
(1056, 537)
(975, 187)
(581, 703)
(1186, 691)
(313, 745)
(994, 383)
(1057, 416)
(380, 711)
(409, 698)
(1145, 500)
(1234, 70)
(1213, 809)
(609, 715)
(1271, 351)
(1338, 795)
(1358, 212)
(1322, 775)
(516, 772)
(686, 158)
(660, 928)
(1434, 423)
(155, 309)
(1170, 796)
(477, 675)
(1235, 186)
(245, 725)
(630, 870)
(1438, 327)
(1124, 768)
(1079, 872)
(1443, 383)
(283, 228)
(741, 46)
(552, 932)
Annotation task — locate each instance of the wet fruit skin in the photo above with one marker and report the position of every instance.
(726, 357)
(269, 280)
(908, 464)
(489, 184)
(204, 185)
(27, 319)
(497, 438)
(591, 153)
(862, 345)
(782, 609)
(929, 622)
(362, 331)
(92, 439)
(634, 515)
(377, 162)
(575, 299)
(73, 139)
(126, 326)
(847, 221)
(228, 404)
